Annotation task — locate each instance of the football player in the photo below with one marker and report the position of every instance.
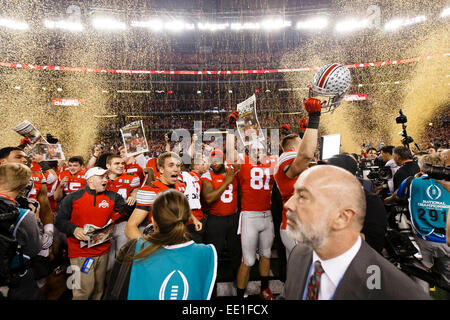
(127, 186)
(170, 168)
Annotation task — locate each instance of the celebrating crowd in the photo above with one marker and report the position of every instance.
(154, 226)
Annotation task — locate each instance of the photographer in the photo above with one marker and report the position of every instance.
(408, 168)
(386, 155)
(429, 201)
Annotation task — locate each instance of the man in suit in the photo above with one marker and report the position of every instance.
(331, 261)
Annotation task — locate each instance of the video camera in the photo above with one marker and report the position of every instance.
(437, 172)
(379, 175)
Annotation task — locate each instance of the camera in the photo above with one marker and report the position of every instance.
(407, 140)
(437, 172)
(401, 118)
(379, 174)
(379, 177)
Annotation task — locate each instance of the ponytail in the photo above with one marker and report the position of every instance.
(171, 212)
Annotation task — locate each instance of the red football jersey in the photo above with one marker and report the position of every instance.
(151, 163)
(52, 183)
(227, 203)
(38, 180)
(284, 183)
(123, 185)
(147, 194)
(75, 182)
(134, 169)
(255, 181)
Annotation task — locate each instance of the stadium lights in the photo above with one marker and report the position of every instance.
(12, 24)
(212, 26)
(275, 24)
(402, 22)
(153, 24)
(245, 26)
(313, 23)
(65, 25)
(178, 25)
(351, 25)
(445, 12)
(103, 23)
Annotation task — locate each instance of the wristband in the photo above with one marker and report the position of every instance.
(314, 120)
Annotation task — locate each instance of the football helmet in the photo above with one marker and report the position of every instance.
(330, 84)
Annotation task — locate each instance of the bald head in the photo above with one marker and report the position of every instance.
(328, 204)
(340, 188)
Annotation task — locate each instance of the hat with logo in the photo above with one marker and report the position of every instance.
(96, 171)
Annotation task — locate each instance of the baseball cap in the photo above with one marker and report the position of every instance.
(96, 171)
(343, 161)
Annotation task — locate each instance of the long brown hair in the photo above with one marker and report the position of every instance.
(171, 212)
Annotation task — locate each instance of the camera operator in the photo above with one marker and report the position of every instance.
(386, 156)
(429, 200)
(408, 168)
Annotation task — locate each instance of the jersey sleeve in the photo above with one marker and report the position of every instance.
(145, 198)
(286, 160)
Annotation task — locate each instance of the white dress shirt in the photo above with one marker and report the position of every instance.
(334, 270)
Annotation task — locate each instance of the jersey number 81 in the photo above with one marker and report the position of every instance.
(257, 181)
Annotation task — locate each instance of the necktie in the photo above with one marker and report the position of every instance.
(314, 282)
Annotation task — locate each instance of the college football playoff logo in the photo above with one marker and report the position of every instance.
(174, 289)
(433, 192)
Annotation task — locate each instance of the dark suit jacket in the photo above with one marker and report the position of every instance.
(394, 284)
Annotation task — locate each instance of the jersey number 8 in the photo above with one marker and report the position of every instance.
(227, 195)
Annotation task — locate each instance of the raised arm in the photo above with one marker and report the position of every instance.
(308, 145)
